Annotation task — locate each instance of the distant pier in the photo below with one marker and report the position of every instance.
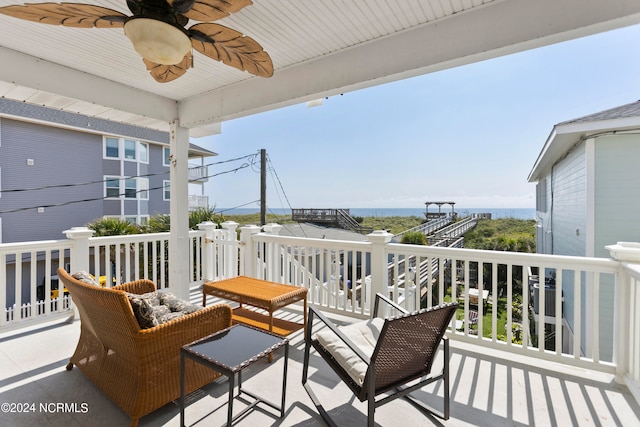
(340, 218)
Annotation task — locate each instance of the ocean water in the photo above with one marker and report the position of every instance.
(519, 213)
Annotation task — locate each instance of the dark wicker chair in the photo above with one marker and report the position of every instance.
(400, 361)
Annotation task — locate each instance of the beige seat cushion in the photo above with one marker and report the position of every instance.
(364, 335)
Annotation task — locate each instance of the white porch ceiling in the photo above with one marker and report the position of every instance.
(319, 48)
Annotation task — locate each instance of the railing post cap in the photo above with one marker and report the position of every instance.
(229, 225)
(625, 251)
(272, 228)
(78, 233)
(207, 225)
(380, 236)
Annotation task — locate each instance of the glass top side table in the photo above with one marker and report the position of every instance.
(229, 352)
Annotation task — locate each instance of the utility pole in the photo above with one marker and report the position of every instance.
(263, 186)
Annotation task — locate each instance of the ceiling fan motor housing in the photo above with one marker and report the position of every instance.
(157, 41)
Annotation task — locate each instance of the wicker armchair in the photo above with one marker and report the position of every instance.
(383, 356)
(139, 369)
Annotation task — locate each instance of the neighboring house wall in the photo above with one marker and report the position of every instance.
(590, 165)
(159, 173)
(567, 216)
(616, 207)
(609, 217)
(59, 156)
(544, 237)
(150, 173)
(36, 155)
(66, 148)
(617, 191)
(569, 203)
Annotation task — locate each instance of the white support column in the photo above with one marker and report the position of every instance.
(178, 206)
(209, 255)
(625, 334)
(379, 264)
(248, 260)
(80, 252)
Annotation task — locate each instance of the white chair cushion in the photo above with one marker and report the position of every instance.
(364, 335)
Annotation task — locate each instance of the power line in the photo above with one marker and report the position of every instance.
(274, 173)
(102, 181)
(239, 206)
(245, 165)
(273, 169)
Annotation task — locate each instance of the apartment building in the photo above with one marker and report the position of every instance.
(60, 170)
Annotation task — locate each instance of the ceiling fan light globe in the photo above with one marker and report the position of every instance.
(157, 41)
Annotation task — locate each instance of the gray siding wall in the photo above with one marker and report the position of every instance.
(569, 204)
(568, 207)
(63, 156)
(60, 157)
(160, 173)
(544, 241)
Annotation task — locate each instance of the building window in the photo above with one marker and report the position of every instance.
(112, 148)
(541, 195)
(166, 156)
(166, 193)
(112, 187)
(129, 149)
(143, 149)
(131, 219)
(143, 188)
(144, 220)
(130, 188)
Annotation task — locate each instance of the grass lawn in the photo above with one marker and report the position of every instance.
(487, 317)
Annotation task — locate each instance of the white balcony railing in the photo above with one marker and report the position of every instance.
(196, 201)
(29, 290)
(198, 173)
(588, 315)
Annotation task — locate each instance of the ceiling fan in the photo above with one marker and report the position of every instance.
(158, 33)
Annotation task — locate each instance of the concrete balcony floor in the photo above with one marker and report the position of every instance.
(488, 388)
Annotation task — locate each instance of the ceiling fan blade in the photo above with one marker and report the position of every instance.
(232, 48)
(212, 10)
(166, 73)
(67, 14)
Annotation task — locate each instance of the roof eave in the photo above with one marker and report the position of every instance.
(563, 136)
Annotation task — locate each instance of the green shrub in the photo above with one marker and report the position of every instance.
(414, 238)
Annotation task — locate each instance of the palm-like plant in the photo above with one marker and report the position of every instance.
(202, 215)
(112, 227)
(158, 224)
(162, 223)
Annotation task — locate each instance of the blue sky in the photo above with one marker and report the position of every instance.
(469, 134)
